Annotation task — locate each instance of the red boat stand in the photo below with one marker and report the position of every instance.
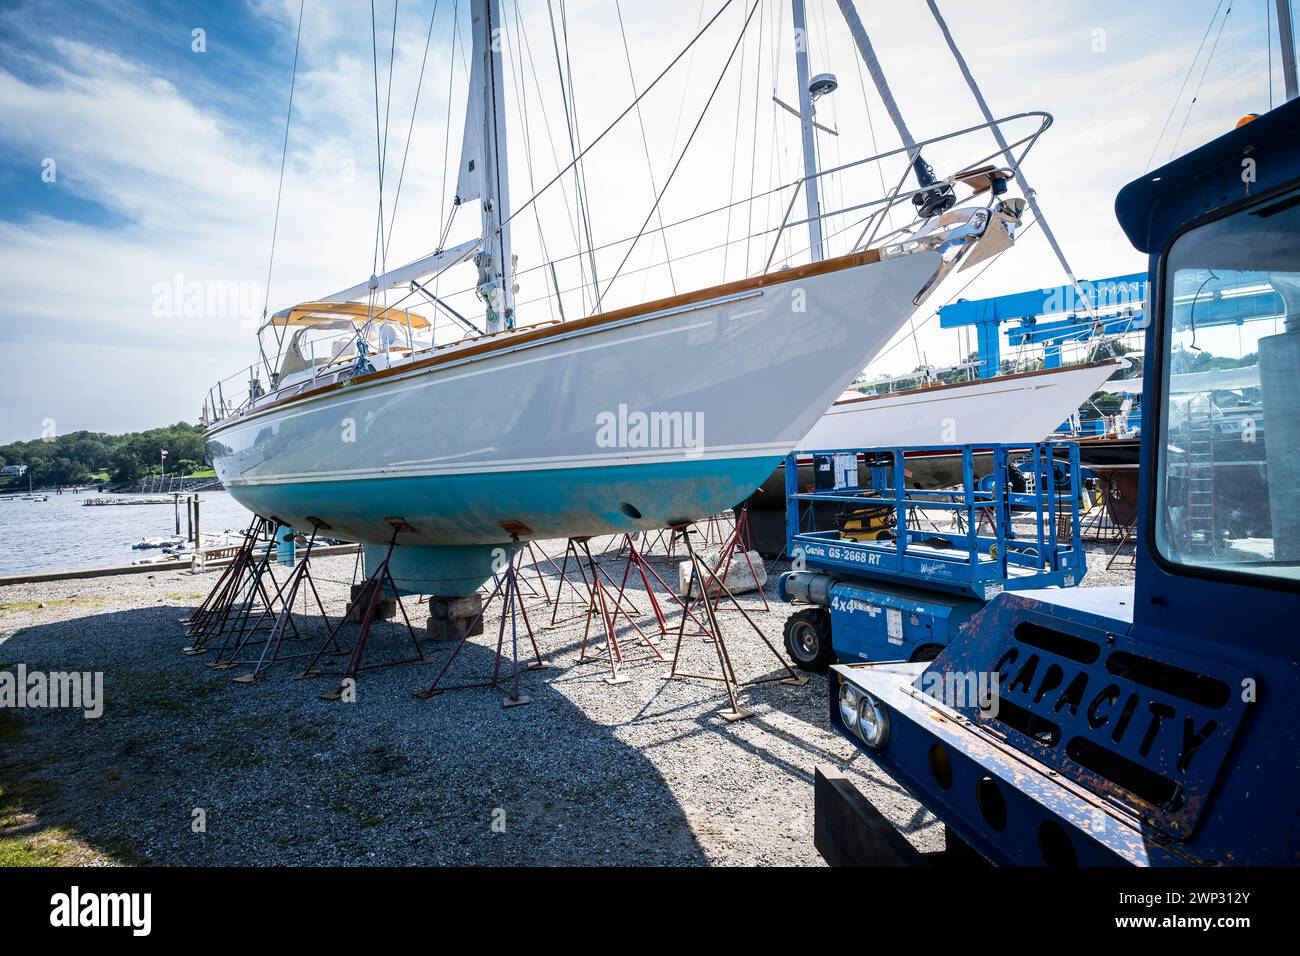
(287, 594)
(372, 590)
(512, 606)
(233, 599)
(609, 609)
(727, 673)
(739, 541)
(635, 558)
(577, 547)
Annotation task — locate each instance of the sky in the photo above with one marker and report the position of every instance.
(141, 148)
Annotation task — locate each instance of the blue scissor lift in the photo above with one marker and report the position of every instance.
(892, 572)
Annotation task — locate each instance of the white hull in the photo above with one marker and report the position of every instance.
(750, 373)
(1009, 409)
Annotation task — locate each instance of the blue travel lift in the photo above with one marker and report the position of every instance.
(891, 576)
(1151, 725)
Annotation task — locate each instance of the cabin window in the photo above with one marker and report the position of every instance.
(1228, 462)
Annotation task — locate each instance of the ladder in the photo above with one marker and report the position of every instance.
(1201, 527)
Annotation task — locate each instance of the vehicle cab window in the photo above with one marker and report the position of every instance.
(1228, 468)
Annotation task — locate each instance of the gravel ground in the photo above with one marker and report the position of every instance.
(641, 773)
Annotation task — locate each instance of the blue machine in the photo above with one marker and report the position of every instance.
(1116, 305)
(887, 575)
(1155, 724)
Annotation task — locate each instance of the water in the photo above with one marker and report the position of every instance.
(61, 533)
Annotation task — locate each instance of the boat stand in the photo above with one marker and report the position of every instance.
(634, 557)
(535, 556)
(609, 609)
(512, 606)
(727, 673)
(577, 547)
(246, 625)
(708, 528)
(372, 589)
(739, 540)
(287, 594)
(205, 611)
(235, 596)
(1100, 525)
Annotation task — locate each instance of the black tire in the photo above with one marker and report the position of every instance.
(808, 639)
(927, 652)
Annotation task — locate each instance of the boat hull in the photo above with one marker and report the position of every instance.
(1003, 410)
(646, 421)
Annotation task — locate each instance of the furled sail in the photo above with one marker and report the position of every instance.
(469, 180)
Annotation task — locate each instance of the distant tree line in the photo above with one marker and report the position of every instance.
(83, 457)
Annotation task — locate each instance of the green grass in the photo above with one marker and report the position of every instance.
(24, 839)
(49, 847)
(10, 607)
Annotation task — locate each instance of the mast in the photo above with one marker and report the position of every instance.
(810, 185)
(484, 165)
(1286, 36)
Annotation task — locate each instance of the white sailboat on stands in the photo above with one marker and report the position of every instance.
(624, 420)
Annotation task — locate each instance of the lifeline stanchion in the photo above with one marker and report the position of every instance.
(512, 605)
(284, 620)
(609, 610)
(727, 672)
(372, 590)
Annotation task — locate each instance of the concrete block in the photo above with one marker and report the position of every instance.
(386, 609)
(739, 578)
(450, 618)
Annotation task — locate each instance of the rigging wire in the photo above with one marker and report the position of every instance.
(1173, 108)
(392, 219)
(577, 132)
(753, 148)
(645, 140)
(446, 136)
(555, 157)
(388, 108)
(644, 93)
(379, 154)
(279, 189)
(1208, 60)
(735, 149)
(685, 149)
(686, 88)
(570, 121)
(512, 39)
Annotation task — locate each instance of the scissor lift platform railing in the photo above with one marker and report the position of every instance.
(988, 552)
